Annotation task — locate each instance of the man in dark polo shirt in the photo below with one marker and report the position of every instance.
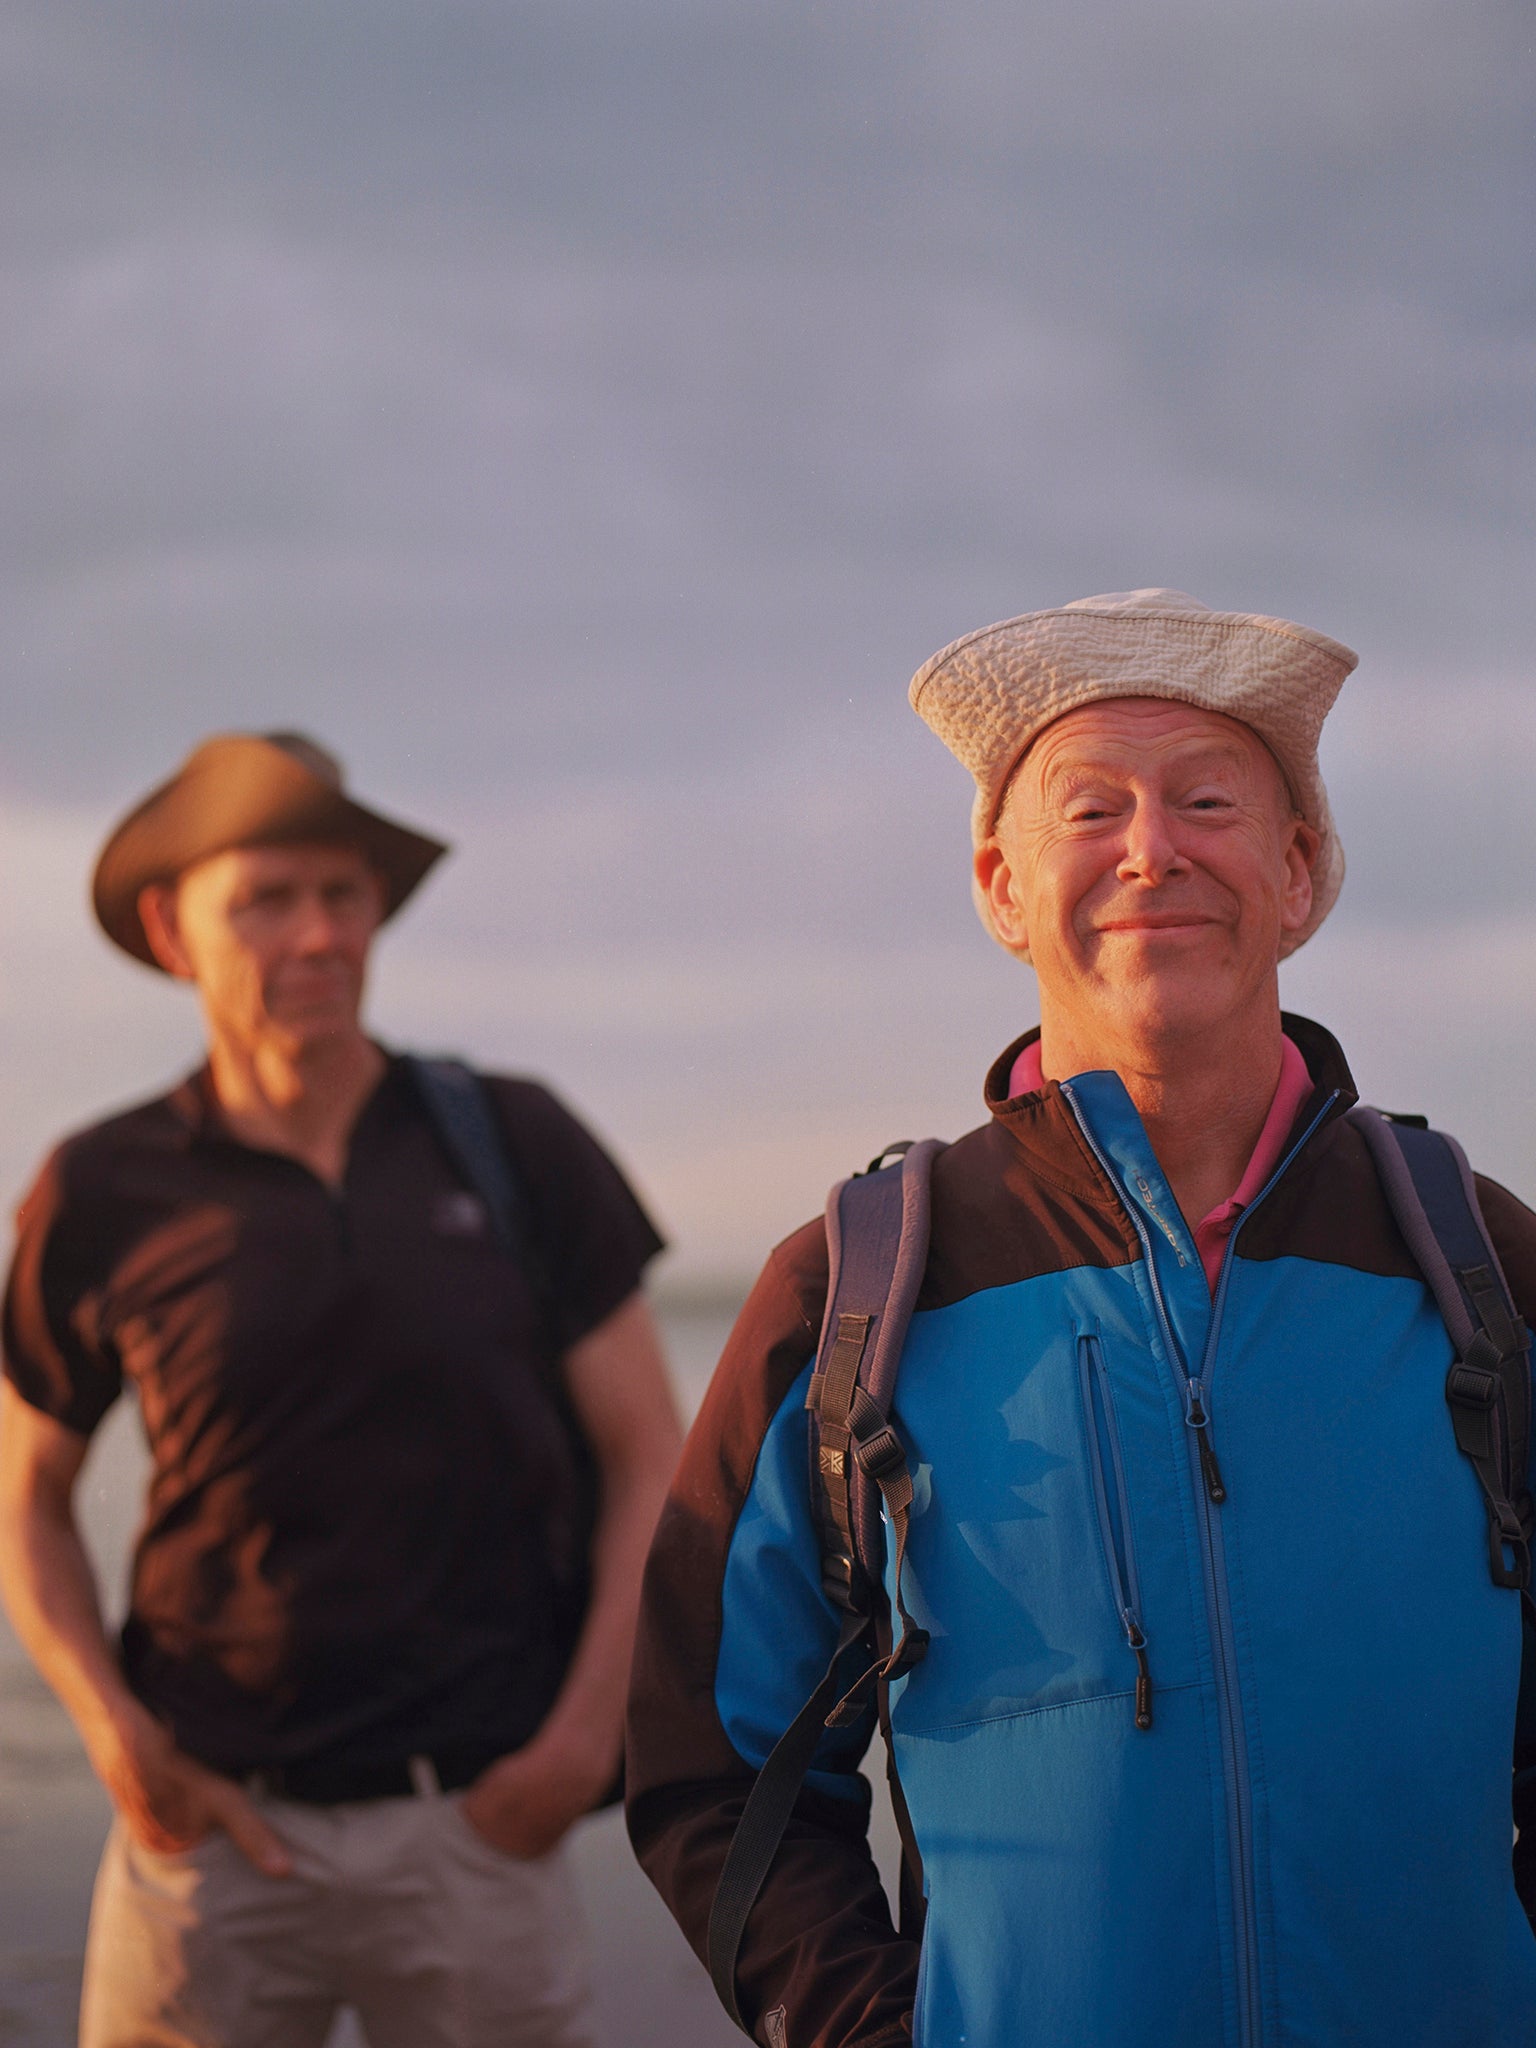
(378, 1636)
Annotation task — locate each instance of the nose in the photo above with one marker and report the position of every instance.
(1151, 853)
(318, 926)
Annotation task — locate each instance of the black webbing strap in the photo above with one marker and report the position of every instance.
(879, 1455)
(1430, 1190)
(911, 1899)
(765, 1817)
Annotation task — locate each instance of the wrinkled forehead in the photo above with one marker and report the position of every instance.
(1142, 737)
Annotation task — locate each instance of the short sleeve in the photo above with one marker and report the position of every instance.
(54, 1353)
(592, 1238)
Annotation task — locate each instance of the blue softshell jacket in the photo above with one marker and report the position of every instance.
(1257, 1498)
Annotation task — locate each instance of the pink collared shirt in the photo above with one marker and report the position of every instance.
(1212, 1231)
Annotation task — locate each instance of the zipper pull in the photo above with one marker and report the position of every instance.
(1198, 1420)
(1215, 1485)
(1138, 1643)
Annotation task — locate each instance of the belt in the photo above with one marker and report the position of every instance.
(332, 1781)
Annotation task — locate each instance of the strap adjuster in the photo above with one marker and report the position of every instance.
(1509, 1551)
(912, 1649)
(1472, 1386)
(879, 1455)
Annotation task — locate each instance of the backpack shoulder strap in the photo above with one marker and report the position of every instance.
(465, 1123)
(463, 1117)
(1429, 1188)
(877, 1248)
(877, 1244)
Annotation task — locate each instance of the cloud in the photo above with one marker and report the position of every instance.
(586, 416)
(583, 369)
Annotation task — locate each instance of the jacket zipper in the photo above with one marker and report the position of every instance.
(1103, 1434)
(1215, 1545)
(1211, 1494)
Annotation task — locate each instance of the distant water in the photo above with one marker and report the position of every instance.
(53, 1815)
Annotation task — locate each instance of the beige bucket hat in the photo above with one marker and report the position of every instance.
(990, 694)
(246, 789)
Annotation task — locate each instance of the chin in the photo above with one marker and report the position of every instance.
(1178, 1005)
(310, 1030)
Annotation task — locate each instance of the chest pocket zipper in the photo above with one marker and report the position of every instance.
(1112, 1502)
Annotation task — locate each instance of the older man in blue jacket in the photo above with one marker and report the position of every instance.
(1212, 1744)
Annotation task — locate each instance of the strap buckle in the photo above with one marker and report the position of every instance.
(912, 1649)
(1509, 1550)
(880, 1455)
(1473, 1386)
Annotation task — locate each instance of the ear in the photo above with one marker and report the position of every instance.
(157, 914)
(994, 884)
(1301, 850)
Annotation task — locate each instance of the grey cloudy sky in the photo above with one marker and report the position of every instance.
(586, 416)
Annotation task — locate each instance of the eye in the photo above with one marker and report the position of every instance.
(269, 897)
(353, 897)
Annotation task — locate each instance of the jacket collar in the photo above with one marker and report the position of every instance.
(1043, 1126)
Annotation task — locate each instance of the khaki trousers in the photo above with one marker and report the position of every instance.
(395, 1907)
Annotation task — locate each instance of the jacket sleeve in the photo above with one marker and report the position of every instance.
(734, 1634)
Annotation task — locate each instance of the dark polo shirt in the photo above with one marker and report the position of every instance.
(363, 1529)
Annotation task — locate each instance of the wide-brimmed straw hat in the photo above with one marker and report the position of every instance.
(990, 694)
(246, 789)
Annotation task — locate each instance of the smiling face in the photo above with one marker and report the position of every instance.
(276, 939)
(1148, 861)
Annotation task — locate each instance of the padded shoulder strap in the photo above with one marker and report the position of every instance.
(1429, 1187)
(877, 1248)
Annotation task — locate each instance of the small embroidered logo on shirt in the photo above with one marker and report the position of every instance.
(459, 1214)
(775, 2025)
